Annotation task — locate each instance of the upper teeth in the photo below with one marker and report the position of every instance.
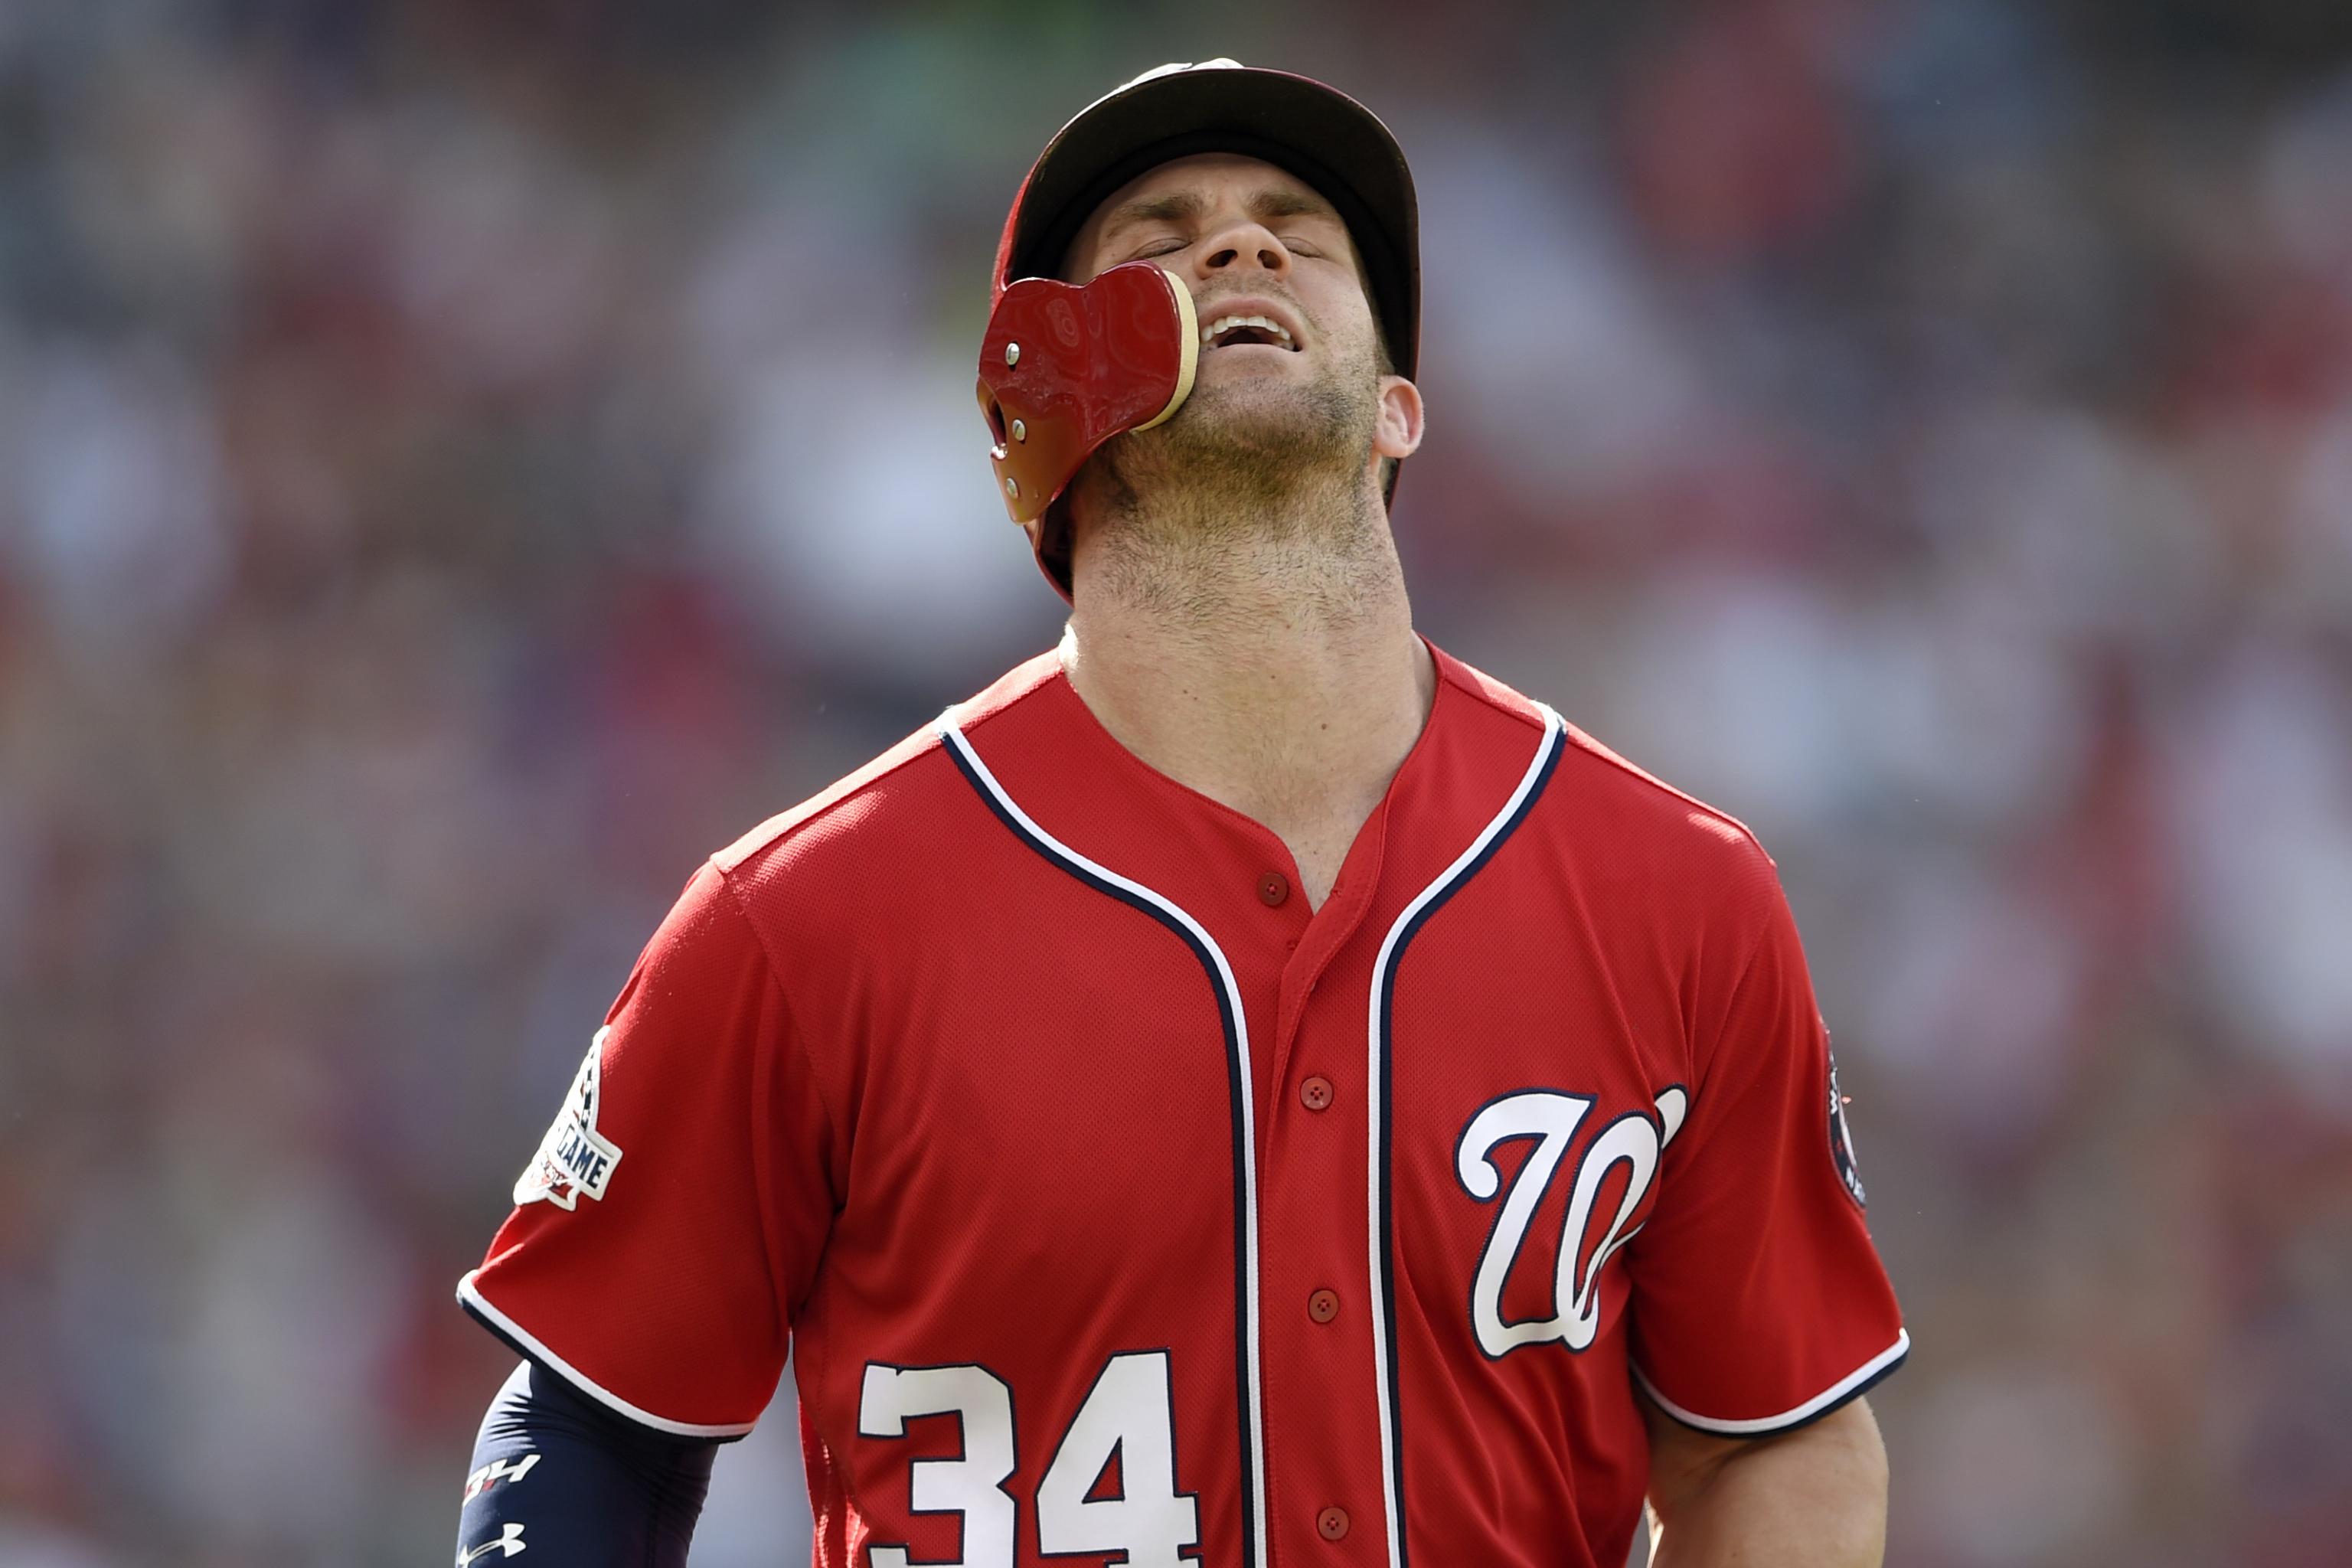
(1223, 324)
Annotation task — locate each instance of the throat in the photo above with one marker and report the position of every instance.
(1301, 733)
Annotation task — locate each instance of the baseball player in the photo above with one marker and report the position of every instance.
(1246, 1087)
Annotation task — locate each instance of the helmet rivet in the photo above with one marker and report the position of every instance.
(1012, 354)
(1020, 431)
(1013, 487)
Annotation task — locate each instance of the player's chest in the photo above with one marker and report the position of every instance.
(1486, 1075)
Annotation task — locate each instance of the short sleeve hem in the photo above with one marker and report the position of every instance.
(526, 1345)
(1853, 1386)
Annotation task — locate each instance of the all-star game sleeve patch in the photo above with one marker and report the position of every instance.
(1841, 1141)
(573, 1160)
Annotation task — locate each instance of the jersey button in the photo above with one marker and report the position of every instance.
(1331, 1524)
(1323, 1306)
(1315, 1093)
(1272, 889)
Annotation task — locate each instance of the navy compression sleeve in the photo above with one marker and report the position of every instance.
(556, 1473)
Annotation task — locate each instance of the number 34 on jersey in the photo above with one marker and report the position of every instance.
(1110, 1487)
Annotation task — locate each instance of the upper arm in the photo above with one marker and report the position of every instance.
(1758, 1301)
(1815, 1495)
(554, 1473)
(1842, 1453)
(674, 1216)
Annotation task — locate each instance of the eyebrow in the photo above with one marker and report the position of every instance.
(1179, 207)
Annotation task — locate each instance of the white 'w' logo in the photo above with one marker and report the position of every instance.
(1633, 1139)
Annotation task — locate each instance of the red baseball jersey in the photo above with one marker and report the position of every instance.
(1120, 1208)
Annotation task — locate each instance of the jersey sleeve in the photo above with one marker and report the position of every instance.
(675, 1212)
(1759, 1302)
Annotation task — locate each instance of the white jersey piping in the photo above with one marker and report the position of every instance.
(529, 1344)
(1547, 750)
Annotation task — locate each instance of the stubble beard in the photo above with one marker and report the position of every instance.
(1246, 494)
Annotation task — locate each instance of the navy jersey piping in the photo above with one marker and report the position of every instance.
(1237, 1088)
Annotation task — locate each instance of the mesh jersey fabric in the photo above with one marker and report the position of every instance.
(1004, 1055)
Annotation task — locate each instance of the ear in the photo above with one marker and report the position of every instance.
(1396, 433)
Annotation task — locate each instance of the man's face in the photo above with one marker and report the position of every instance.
(1305, 381)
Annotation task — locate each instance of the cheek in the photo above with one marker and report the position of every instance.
(1351, 348)
(1344, 318)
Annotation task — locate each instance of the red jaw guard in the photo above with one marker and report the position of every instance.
(1062, 369)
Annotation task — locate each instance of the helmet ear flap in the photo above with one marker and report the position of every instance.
(1188, 332)
(1064, 368)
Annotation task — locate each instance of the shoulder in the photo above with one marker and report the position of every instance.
(898, 783)
(1618, 815)
(894, 816)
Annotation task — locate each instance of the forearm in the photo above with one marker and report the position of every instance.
(582, 1486)
(1815, 1497)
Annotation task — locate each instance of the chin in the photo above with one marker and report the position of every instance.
(1253, 424)
(1258, 414)
(1252, 397)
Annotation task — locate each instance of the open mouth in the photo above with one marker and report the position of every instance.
(1225, 332)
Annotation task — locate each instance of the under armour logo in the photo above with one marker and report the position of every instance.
(510, 1541)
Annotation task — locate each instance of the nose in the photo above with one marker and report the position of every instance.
(1240, 245)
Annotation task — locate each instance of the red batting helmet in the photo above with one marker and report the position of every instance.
(1316, 133)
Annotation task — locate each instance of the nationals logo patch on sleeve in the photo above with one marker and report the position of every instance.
(1842, 1141)
(573, 1159)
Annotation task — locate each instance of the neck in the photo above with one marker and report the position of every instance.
(1274, 669)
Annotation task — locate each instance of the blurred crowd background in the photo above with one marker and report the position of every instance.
(460, 463)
